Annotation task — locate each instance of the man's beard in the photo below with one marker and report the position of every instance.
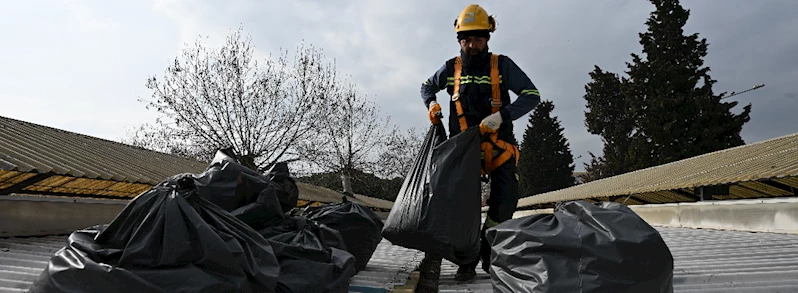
(477, 58)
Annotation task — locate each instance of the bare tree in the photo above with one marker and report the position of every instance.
(351, 138)
(163, 140)
(398, 154)
(212, 99)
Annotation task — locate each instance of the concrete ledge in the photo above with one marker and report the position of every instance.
(20, 216)
(778, 215)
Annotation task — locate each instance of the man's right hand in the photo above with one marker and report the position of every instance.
(435, 112)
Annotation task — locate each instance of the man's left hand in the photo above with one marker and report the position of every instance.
(490, 123)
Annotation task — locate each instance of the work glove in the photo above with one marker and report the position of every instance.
(490, 123)
(435, 112)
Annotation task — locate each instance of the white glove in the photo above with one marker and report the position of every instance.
(491, 123)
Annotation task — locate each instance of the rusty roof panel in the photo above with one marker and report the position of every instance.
(774, 159)
(94, 187)
(766, 188)
(14, 177)
(10, 178)
(789, 181)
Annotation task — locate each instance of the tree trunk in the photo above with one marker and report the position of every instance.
(346, 181)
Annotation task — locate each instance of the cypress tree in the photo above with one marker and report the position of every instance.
(677, 113)
(671, 111)
(610, 117)
(545, 163)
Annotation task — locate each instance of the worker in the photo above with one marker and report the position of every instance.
(478, 83)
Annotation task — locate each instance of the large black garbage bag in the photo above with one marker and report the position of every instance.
(280, 174)
(246, 193)
(359, 227)
(437, 209)
(581, 247)
(307, 262)
(167, 239)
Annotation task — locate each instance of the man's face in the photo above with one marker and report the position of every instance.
(473, 45)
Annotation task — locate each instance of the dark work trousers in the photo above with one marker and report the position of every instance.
(501, 205)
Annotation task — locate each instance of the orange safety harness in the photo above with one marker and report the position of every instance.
(489, 163)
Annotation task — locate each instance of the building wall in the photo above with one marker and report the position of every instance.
(32, 216)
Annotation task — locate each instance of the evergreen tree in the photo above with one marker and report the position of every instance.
(677, 112)
(545, 162)
(610, 117)
(595, 170)
(670, 104)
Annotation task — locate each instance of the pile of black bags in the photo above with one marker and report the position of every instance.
(438, 207)
(168, 239)
(227, 229)
(581, 247)
(360, 227)
(308, 263)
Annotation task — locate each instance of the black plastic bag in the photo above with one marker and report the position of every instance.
(280, 174)
(308, 263)
(437, 209)
(167, 239)
(581, 247)
(359, 227)
(246, 193)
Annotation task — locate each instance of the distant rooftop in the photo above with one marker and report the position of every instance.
(763, 169)
(42, 160)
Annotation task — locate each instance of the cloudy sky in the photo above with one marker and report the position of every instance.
(81, 65)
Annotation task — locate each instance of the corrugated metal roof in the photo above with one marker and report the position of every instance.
(704, 261)
(390, 266)
(33, 148)
(22, 260)
(762, 169)
(36, 159)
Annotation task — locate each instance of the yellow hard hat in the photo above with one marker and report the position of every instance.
(473, 18)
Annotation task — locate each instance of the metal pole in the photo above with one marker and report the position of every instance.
(745, 91)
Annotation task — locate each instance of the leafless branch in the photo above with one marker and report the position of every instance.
(215, 98)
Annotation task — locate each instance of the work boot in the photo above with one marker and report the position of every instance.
(429, 273)
(484, 250)
(465, 274)
(486, 267)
